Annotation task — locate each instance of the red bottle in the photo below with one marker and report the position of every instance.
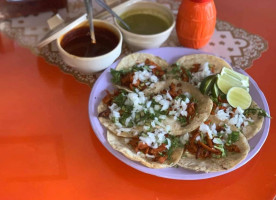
(195, 23)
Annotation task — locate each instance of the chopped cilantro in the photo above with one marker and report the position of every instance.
(182, 120)
(116, 76)
(188, 72)
(120, 99)
(135, 68)
(183, 97)
(233, 137)
(254, 111)
(176, 69)
(175, 143)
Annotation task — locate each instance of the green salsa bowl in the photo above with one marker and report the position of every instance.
(150, 24)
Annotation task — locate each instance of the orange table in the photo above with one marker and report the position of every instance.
(48, 149)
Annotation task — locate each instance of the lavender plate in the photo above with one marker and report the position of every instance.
(171, 54)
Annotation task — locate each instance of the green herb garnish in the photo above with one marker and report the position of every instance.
(233, 137)
(260, 112)
(120, 99)
(116, 76)
(182, 120)
(175, 143)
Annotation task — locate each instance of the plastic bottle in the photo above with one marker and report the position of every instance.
(195, 23)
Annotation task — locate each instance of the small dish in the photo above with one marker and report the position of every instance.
(94, 63)
(65, 32)
(138, 41)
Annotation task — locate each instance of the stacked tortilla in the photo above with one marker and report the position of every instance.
(158, 116)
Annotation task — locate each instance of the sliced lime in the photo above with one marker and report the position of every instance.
(207, 83)
(229, 78)
(238, 96)
(242, 78)
(215, 90)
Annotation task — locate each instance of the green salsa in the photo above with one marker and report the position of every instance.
(145, 24)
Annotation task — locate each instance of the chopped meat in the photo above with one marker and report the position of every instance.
(191, 109)
(108, 98)
(105, 113)
(161, 159)
(232, 148)
(184, 75)
(159, 153)
(209, 141)
(195, 68)
(127, 79)
(213, 150)
(173, 91)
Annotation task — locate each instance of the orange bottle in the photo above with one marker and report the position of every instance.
(195, 23)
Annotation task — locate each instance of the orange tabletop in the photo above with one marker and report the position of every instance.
(48, 149)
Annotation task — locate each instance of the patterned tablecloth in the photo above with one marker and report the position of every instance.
(234, 44)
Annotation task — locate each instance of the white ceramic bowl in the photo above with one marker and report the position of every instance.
(137, 41)
(92, 64)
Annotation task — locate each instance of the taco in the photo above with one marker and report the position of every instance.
(154, 149)
(179, 107)
(214, 146)
(187, 107)
(139, 71)
(194, 68)
(248, 121)
(115, 112)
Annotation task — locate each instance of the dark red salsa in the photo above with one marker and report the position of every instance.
(78, 42)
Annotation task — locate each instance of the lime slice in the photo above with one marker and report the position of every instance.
(238, 96)
(229, 78)
(236, 75)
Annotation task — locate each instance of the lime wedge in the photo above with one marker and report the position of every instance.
(229, 78)
(238, 96)
(238, 76)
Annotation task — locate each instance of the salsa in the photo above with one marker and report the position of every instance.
(145, 24)
(78, 42)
